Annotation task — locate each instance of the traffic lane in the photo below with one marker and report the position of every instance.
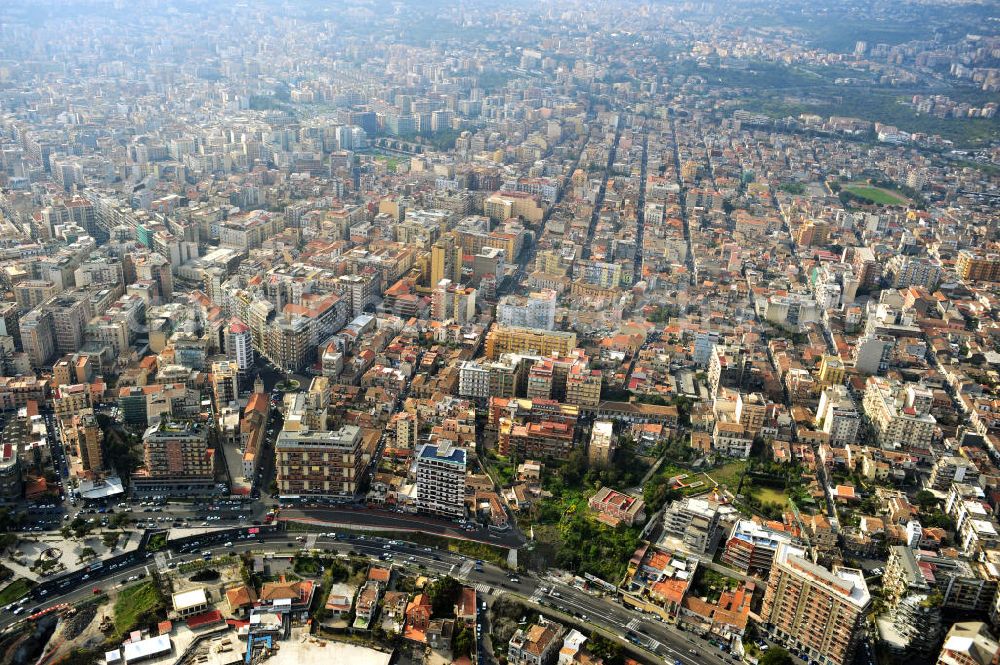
(676, 642)
(378, 518)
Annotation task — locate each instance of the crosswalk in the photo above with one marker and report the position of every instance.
(465, 569)
(484, 588)
(633, 624)
(536, 595)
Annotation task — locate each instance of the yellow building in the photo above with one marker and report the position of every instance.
(973, 266)
(832, 371)
(511, 339)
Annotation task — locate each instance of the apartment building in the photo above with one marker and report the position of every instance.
(838, 416)
(814, 610)
(544, 439)
(440, 471)
(319, 463)
(695, 522)
(899, 413)
(977, 266)
(751, 547)
(177, 458)
(513, 339)
(969, 643)
(535, 310)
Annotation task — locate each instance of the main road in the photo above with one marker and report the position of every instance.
(649, 638)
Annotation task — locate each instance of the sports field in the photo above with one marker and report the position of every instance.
(876, 194)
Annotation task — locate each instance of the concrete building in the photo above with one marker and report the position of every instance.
(177, 458)
(602, 444)
(838, 416)
(695, 522)
(751, 547)
(527, 341)
(440, 472)
(969, 643)
(814, 610)
(899, 413)
(535, 310)
(319, 463)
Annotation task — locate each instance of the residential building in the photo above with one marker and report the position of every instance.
(751, 547)
(177, 458)
(899, 413)
(969, 643)
(528, 341)
(535, 310)
(814, 610)
(319, 463)
(695, 522)
(838, 416)
(537, 644)
(440, 474)
(975, 266)
(601, 451)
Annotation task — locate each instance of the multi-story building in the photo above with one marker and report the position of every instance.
(903, 271)
(729, 367)
(177, 459)
(695, 522)
(583, 385)
(732, 440)
(83, 436)
(535, 310)
(527, 341)
(837, 415)
(225, 383)
(969, 643)
(545, 439)
(451, 301)
(602, 444)
(239, 345)
(440, 471)
(31, 293)
(319, 463)
(815, 610)
(751, 547)
(976, 266)
(10, 325)
(38, 336)
(898, 414)
(950, 469)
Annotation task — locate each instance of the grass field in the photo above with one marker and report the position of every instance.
(770, 495)
(876, 194)
(729, 474)
(134, 604)
(16, 590)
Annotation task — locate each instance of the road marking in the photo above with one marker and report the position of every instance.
(484, 588)
(633, 624)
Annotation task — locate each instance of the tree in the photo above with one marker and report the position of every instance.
(442, 594)
(463, 643)
(110, 539)
(926, 500)
(776, 656)
(87, 553)
(608, 650)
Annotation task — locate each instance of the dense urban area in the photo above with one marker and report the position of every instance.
(513, 333)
